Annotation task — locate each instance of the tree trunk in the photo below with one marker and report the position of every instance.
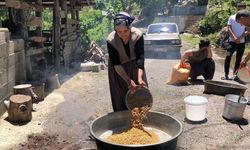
(20, 109)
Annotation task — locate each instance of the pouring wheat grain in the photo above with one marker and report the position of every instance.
(139, 104)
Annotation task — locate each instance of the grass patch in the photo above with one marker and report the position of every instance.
(191, 39)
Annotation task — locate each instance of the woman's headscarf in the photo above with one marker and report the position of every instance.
(123, 18)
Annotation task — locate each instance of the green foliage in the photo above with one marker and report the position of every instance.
(191, 39)
(47, 19)
(95, 27)
(4, 13)
(217, 15)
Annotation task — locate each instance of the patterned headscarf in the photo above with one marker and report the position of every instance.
(123, 18)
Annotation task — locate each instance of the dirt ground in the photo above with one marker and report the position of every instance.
(61, 120)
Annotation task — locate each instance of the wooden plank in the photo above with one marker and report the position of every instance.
(32, 51)
(25, 5)
(13, 4)
(37, 39)
(18, 4)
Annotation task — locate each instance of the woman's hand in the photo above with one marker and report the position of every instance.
(141, 82)
(132, 86)
(243, 64)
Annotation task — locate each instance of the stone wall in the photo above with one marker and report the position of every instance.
(12, 65)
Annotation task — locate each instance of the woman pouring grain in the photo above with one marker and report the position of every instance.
(126, 60)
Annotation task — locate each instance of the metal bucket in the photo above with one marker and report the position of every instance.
(168, 127)
(234, 107)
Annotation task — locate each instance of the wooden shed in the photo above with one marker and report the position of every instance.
(45, 48)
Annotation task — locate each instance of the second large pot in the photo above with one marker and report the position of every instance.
(223, 88)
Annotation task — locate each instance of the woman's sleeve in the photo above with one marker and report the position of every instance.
(139, 52)
(113, 55)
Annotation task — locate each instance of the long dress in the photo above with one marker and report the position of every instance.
(118, 87)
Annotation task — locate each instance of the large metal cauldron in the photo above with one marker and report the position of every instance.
(223, 88)
(167, 127)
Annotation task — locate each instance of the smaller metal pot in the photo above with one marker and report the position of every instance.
(234, 107)
(140, 98)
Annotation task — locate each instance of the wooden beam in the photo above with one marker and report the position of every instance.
(33, 51)
(50, 3)
(37, 39)
(39, 28)
(57, 36)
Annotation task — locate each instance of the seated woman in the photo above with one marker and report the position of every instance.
(200, 60)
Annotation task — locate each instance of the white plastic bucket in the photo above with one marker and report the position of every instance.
(196, 107)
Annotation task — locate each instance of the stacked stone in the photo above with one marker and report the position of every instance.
(5, 67)
(12, 65)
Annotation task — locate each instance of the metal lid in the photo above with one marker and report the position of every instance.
(141, 97)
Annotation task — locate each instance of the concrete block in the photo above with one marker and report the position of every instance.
(3, 63)
(16, 45)
(11, 73)
(3, 49)
(11, 47)
(11, 60)
(4, 36)
(11, 84)
(3, 77)
(3, 90)
(2, 107)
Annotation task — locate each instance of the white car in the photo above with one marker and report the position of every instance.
(162, 40)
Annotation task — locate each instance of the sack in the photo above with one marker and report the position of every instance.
(244, 74)
(179, 74)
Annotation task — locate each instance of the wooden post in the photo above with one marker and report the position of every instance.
(20, 109)
(39, 29)
(78, 19)
(57, 36)
(20, 18)
(72, 8)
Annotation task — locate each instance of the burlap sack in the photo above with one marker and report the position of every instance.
(179, 74)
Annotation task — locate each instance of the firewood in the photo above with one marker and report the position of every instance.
(34, 22)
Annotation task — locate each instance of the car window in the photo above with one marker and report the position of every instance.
(162, 28)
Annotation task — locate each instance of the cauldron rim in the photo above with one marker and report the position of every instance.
(146, 145)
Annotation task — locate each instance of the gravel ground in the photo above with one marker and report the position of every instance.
(61, 120)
